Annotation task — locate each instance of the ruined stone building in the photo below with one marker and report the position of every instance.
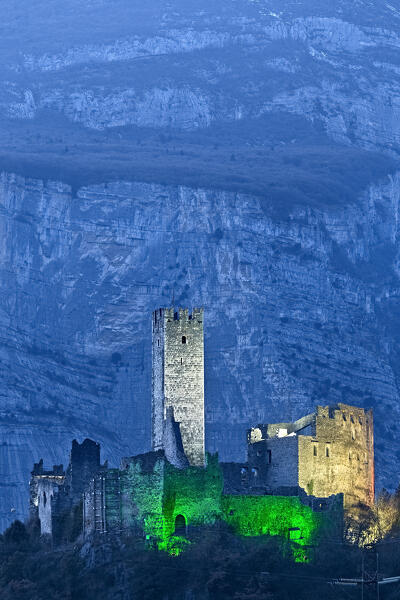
(53, 493)
(326, 452)
(293, 484)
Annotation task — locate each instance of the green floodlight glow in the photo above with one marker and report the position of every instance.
(168, 501)
(283, 516)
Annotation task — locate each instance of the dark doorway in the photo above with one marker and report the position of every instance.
(180, 525)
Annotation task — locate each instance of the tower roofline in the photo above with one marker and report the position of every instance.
(179, 313)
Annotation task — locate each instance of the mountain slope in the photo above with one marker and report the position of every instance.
(240, 155)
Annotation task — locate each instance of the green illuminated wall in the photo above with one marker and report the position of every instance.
(283, 516)
(195, 493)
(153, 498)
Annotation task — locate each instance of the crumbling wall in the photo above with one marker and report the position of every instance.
(44, 486)
(47, 488)
(84, 463)
(127, 499)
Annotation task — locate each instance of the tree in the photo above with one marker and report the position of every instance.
(16, 533)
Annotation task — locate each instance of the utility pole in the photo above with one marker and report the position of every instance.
(370, 573)
(371, 580)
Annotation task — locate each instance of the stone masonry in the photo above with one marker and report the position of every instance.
(178, 378)
(328, 452)
(54, 492)
(44, 487)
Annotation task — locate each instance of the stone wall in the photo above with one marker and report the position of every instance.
(282, 456)
(178, 378)
(340, 457)
(158, 412)
(54, 493)
(84, 463)
(44, 493)
(127, 499)
(336, 455)
(163, 503)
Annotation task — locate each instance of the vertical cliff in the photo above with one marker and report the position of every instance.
(300, 308)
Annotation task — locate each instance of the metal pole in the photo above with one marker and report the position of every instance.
(362, 574)
(377, 575)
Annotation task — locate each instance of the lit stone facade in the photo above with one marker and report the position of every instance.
(178, 378)
(44, 486)
(328, 452)
(340, 456)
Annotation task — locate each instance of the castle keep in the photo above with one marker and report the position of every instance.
(294, 483)
(178, 379)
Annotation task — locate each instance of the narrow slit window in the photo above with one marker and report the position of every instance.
(327, 451)
(181, 361)
(315, 450)
(184, 339)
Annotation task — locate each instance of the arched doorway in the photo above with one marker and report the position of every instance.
(180, 525)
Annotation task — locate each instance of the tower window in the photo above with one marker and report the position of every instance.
(327, 451)
(315, 451)
(269, 457)
(181, 361)
(158, 342)
(184, 339)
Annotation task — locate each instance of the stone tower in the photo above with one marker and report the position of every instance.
(178, 378)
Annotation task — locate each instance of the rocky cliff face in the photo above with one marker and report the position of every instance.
(268, 137)
(299, 310)
(228, 64)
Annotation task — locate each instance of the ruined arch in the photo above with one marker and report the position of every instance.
(180, 525)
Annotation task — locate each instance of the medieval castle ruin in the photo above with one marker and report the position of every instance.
(297, 479)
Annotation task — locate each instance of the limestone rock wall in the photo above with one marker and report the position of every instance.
(219, 64)
(301, 309)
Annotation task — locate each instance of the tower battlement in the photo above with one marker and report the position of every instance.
(178, 378)
(179, 314)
